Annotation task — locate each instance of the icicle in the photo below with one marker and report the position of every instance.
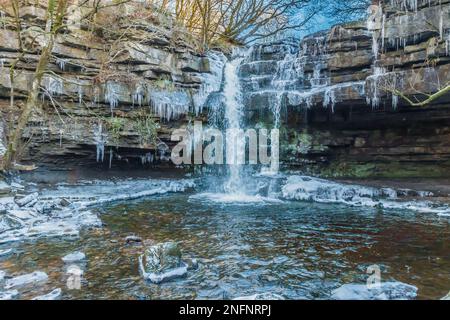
(110, 157)
(169, 105)
(61, 132)
(383, 31)
(394, 101)
(80, 95)
(100, 140)
(61, 63)
(54, 86)
(112, 94)
(329, 98)
(211, 82)
(138, 95)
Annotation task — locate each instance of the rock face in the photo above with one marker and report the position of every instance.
(334, 94)
(155, 70)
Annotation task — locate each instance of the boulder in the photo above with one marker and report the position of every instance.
(162, 262)
(27, 199)
(74, 257)
(4, 187)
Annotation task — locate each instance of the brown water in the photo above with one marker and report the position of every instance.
(299, 250)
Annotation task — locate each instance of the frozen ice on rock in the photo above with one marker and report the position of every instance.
(53, 295)
(9, 295)
(27, 199)
(393, 290)
(26, 279)
(261, 296)
(74, 257)
(162, 262)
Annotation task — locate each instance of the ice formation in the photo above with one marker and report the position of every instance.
(112, 90)
(169, 105)
(100, 139)
(211, 82)
(393, 290)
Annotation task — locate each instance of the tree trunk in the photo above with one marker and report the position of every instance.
(32, 102)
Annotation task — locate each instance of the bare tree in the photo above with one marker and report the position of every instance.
(45, 39)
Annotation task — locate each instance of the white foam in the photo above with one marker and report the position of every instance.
(235, 198)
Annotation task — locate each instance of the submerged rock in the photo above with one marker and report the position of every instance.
(74, 257)
(9, 295)
(261, 296)
(386, 291)
(162, 262)
(55, 294)
(6, 252)
(133, 239)
(26, 279)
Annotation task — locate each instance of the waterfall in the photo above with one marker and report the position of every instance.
(233, 116)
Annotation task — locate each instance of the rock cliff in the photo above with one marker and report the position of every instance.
(335, 94)
(110, 92)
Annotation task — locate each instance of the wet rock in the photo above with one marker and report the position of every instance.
(385, 291)
(26, 279)
(45, 207)
(64, 202)
(4, 187)
(162, 262)
(74, 257)
(54, 295)
(9, 223)
(6, 252)
(133, 239)
(261, 296)
(31, 198)
(9, 295)
(16, 186)
(192, 264)
(7, 203)
(447, 297)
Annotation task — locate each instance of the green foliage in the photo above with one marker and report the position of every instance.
(115, 126)
(164, 83)
(147, 129)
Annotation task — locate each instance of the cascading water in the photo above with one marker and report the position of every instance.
(233, 116)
